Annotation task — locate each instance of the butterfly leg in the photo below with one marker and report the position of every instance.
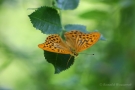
(69, 59)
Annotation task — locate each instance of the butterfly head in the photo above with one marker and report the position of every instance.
(74, 53)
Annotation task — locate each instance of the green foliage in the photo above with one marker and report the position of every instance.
(95, 14)
(112, 67)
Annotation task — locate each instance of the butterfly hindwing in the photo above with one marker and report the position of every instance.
(55, 44)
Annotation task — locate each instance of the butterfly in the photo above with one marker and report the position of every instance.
(75, 42)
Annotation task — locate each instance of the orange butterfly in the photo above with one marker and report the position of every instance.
(76, 42)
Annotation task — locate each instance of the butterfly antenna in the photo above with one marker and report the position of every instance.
(69, 59)
(86, 54)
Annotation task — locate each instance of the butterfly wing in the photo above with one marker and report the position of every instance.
(71, 38)
(55, 44)
(81, 41)
(86, 40)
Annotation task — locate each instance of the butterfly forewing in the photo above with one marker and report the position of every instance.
(55, 44)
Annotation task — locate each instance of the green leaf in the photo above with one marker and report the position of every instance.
(70, 27)
(112, 1)
(47, 20)
(95, 14)
(105, 1)
(60, 61)
(67, 4)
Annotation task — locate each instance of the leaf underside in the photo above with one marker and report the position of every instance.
(60, 61)
(70, 27)
(67, 4)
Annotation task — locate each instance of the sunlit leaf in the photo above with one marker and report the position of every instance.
(47, 20)
(95, 14)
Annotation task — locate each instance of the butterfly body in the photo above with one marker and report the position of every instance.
(75, 42)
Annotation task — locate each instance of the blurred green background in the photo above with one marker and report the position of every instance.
(22, 64)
